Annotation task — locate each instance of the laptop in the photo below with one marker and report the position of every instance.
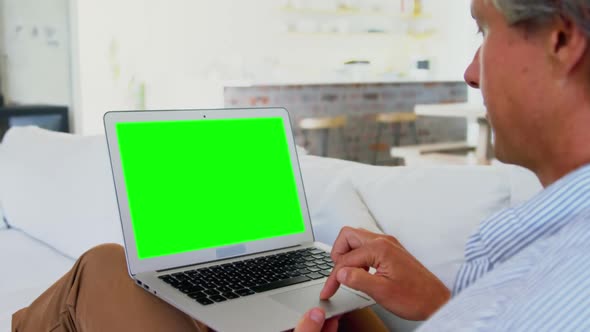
(214, 216)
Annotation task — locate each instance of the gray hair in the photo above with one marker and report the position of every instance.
(538, 12)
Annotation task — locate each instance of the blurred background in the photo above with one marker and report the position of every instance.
(318, 58)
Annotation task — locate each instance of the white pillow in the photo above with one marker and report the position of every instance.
(58, 188)
(60, 191)
(318, 174)
(524, 184)
(340, 206)
(332, 200)
(433, 211)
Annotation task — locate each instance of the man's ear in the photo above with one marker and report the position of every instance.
(567, 44)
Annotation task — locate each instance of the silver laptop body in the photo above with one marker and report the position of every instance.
(184, 174)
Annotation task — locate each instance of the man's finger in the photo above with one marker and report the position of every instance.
(312, 321)
(369, 255)
(349, 239)
(361, 280)
(330, 287)
(363, 257)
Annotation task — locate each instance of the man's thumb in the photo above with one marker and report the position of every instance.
(312, 321)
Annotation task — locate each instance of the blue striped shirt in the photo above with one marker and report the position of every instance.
(527, 268)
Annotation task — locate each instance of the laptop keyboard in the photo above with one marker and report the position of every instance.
(242, 278)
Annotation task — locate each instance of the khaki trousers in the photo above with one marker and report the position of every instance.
(97, 294)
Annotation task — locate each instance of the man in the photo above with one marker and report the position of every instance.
(527, 268)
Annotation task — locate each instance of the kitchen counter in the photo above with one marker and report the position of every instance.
(371, 81)
(359, 101)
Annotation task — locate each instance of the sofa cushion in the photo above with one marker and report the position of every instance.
(433, 211)
(58, 188)
(332, 198)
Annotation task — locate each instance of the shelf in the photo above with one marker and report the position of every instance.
(353, 12)
(343, 34)
(338, 12)
(416, 36)
(354, 21)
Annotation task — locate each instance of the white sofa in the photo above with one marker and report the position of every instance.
(56, 194)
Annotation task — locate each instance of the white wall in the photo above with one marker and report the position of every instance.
(456, 42)
(180, 53)
(180, 50)
(35, 51)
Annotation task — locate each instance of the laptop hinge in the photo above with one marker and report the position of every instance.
(222, 259)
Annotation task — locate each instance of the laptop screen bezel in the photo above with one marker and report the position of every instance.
(136, 265)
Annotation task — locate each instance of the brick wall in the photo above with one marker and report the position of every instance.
(359, 102)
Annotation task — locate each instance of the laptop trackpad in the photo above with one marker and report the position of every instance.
(306, 298)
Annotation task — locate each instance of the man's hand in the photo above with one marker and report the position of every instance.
(400, 284)
(313, 321)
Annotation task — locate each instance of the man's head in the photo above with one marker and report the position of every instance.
(533, 68)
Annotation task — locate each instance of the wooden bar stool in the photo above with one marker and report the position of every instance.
(395, 120)
(324, 125)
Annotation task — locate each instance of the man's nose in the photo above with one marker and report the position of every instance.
(471, 75)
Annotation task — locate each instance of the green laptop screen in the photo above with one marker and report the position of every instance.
(198, 184)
